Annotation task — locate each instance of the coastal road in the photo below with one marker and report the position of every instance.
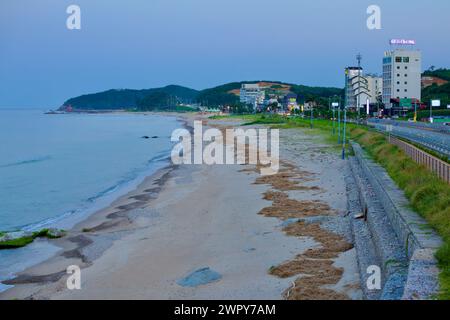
(433, 137)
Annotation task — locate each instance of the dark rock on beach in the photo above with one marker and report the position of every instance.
(200, 277)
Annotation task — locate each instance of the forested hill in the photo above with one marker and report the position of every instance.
(128, 98)
(441, 92)
(441, 73)
(170, 96)
(229, 93)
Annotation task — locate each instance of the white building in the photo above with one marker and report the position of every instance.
(361, 89)
(375, 86)
(401, 75)
(351, 77)
(252, 94)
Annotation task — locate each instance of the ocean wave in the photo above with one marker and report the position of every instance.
(131, 176)
(134, 174)
(162, 156)
(25, 162)
(49, 221)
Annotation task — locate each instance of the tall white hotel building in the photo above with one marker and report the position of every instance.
(402, 71)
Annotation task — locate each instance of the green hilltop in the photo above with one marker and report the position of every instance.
(115, 99)
(172, 96)
(435, 91)
(167, 98)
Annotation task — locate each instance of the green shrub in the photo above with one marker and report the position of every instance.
(16, 243)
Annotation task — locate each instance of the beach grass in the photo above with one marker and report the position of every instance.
(429, 196)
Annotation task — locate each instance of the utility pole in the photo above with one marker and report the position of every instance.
(311, 115)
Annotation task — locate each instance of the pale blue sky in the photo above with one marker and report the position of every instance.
(200, 43)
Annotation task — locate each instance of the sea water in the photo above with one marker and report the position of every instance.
(54, 168)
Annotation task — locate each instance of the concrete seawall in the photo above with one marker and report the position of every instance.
(390, 235)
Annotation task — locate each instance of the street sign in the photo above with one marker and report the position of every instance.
(435, 103)
(389, 128)
(335, 104)
(406, 103)
(448, 106)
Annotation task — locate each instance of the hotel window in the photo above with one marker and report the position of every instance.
(406, 82)
(398, 59)
(398, 74)
(406, 59)
(406, 90)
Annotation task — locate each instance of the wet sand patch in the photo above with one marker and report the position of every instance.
(27, 278)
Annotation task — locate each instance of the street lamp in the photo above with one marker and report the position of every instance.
(339, 125)
(334, 122)
(434, 103)
(415, 111)
(345, 125)
(431, 112)
(334, 104)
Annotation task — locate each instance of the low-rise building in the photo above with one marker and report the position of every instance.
(375, 86)
(362, 90)
(252, 94)
(290, 102)
(352, 77)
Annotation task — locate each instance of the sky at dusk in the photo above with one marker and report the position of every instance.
(200, 43)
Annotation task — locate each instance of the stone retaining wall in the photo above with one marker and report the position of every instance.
(417, 240)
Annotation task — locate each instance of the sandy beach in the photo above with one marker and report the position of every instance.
(280, 237)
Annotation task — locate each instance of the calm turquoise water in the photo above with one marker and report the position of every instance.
(55, 169)
(54, 165)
